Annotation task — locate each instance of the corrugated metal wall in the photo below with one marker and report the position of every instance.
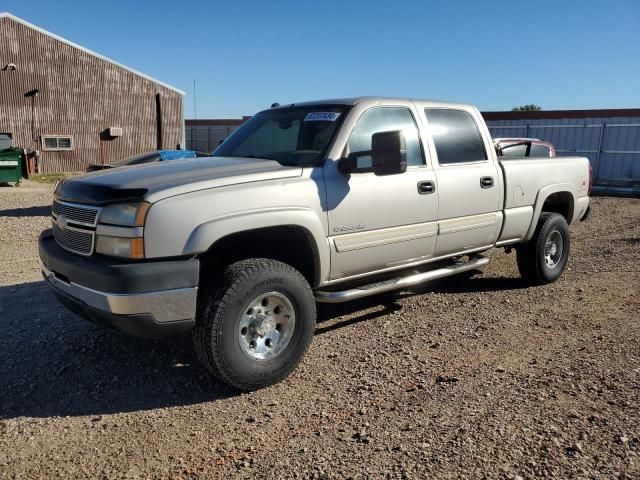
(81, 95)
(612, 144)
(205, 138)
(205, 135)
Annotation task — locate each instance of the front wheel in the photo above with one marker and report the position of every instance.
(543, 258)
(255, 324)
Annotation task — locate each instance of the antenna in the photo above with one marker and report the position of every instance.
(195, 103)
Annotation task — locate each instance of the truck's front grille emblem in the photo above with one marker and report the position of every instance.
(74, 226)
(76, 213)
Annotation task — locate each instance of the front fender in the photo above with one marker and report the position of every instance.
(209, 232)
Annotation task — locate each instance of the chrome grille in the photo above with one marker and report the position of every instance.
(75, 213)
(73, 239)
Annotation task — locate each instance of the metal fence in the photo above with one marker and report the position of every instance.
(205, 138)
(612, 145)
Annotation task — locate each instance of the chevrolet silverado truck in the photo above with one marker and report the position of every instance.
(323, 201)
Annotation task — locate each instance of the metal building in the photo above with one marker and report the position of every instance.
(204, 135)
(609, 138)
(68, 106)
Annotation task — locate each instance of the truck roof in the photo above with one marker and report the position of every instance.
(373, 101)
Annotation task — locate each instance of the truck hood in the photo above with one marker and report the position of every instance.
(155, 181)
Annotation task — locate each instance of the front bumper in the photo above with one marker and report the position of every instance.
(150, 299)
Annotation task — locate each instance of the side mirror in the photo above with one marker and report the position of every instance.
(389, 153)
(387, 156)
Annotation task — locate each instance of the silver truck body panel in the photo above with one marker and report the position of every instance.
(190, 223)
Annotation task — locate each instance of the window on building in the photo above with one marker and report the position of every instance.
(5, 141)
(456, 136)
(57, 142)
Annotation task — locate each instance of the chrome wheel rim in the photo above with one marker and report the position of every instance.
(553, 249)
(266, 326)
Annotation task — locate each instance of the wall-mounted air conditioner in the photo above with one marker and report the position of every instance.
(114, 131)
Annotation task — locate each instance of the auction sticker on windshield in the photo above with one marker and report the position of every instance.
(321, 117)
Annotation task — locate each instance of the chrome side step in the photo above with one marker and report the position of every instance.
(400, 282)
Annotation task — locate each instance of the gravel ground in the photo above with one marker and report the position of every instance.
(466, 378)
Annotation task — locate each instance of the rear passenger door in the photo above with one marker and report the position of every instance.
(469, 187)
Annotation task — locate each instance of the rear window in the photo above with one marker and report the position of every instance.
(520, 151)
(514, 151)
(456, 136)
(540, 151)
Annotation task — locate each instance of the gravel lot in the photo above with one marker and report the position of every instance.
(466, 378)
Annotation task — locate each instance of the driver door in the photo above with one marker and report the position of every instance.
(381, 222)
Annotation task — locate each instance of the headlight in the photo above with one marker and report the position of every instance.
(125, 214)
(120, 246)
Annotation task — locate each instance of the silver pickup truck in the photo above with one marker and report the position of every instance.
(313, 202)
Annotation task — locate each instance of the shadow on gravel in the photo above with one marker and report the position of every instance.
(388, 303)
(475, 284)
(43, 211)
(54, 364)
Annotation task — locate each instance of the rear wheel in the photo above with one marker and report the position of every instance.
(543, 258)
(254, 325)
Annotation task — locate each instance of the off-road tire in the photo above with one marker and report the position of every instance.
(531, 255)
(220, 306)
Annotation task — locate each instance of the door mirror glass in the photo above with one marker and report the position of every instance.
(388, 156)
(388, 153)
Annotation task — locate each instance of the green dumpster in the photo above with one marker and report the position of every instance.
(10, 165)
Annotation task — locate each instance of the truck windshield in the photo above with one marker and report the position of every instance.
(297, 136)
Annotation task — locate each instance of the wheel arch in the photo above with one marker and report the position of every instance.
(558, 198)
(295, 237)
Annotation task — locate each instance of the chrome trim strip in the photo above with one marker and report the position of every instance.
(400, 282)
(508, 241)
(124, 232)
(164, 305)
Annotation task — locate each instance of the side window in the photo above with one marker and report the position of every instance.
(456, 136)
(385, 119)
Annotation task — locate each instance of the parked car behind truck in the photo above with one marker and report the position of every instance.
(148, 157)
(523, 148)
(314, 202)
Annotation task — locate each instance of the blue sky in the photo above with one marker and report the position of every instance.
(244, 55)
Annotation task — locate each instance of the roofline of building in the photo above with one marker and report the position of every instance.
(558, 114)
(86, 50)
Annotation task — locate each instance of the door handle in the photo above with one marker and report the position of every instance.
(425, 187)
(486, 182)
